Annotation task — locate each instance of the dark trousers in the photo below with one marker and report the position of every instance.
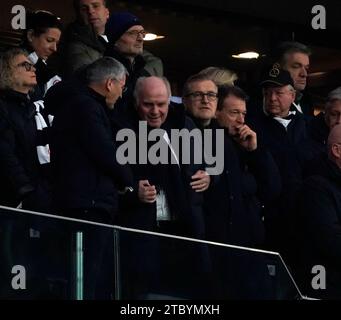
(98, 253)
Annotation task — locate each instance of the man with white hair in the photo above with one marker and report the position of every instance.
(168, 200)
(282, 130)
(320, 126)
(165, 191)
(87, 176)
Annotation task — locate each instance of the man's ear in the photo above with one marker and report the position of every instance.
(294, 95)
(108, 84)
(184, 102)
(217, 116)
(336, 151)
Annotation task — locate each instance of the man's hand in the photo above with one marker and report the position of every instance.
(146, 193)
(201, 181)
(246, 138)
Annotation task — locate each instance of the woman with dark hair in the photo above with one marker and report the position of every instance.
(40, 39)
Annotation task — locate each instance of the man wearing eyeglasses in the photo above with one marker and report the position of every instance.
(228, 218)
(84, 40)
(222, 201)
(200, 100)
(125, 34)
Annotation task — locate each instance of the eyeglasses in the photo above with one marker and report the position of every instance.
(136, 33)
(28, 66)
(198, 95)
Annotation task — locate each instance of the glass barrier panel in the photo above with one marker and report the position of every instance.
(49, 257)
(52, 257)
(158, 266)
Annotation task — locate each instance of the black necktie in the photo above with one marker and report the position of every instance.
(102, 41)
(289, 116)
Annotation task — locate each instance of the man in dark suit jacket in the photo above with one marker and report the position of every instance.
(87, 176)
(125, 33)
(320, 226)
(178, 182)
(232, 210)
(261, 181)
(319, 126)
(282, 130)
(168, 200)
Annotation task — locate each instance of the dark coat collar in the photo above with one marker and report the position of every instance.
(14, 96)
(77, 31)
(333, 172)
(212, 125)
(97, 96)
(14, 100)
(318, 129)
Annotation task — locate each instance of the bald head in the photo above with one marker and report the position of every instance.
(152, 96)
(335, 135)
(334, 145)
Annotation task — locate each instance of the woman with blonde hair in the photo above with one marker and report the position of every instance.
(220, 76)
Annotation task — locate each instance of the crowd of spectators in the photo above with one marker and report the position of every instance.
(279, 189)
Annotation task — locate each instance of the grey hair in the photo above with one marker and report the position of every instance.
(291, 88)
(334, 95)
(6, 67)
(139, 84)
(104, 68)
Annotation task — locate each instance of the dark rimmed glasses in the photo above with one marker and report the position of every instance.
(27, 65)
(198, 95)
(136, 33)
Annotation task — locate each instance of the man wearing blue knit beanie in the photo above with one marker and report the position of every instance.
(125, 34)
(120, 22)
